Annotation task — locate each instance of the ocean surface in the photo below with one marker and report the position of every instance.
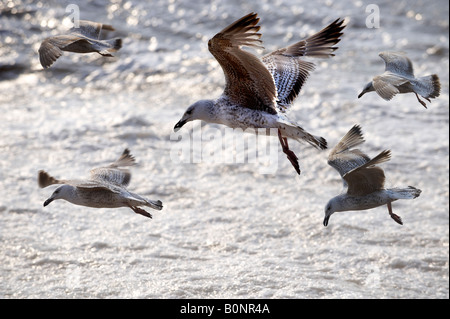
(235, 223)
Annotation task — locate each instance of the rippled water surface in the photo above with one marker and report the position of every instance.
(226, 230)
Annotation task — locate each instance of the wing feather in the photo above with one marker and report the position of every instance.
(397, 62)
(386, 84)
(367, 178)
(115, 173)
(342, 157)
(90, 29)
(44, 179)
(248, 82)
(289, 72)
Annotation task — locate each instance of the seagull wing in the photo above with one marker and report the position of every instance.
(115, 173)
(343, 158)
(90, 29)
(44, 179)
(367, 178)
(397, 62)
(386, 84)
(248, 81)
(95, 185)
(51, 48)
(290, 72)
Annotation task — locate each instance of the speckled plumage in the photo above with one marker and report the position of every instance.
(364, 181)
(104, 189)
(398, 77)
(82, 39)
(258, 91)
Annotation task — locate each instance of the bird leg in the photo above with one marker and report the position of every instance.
(140, 211)
(420, 101)
(397, 218)
(290, 154)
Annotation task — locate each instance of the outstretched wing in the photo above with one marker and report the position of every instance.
(367, 178)
(343, 158)
(386, 85)
(44, 179)
(90, 29)
(51, 48)
(49, 51)
(397, 62)
(290, 72)
(248, 82)
(115, 173)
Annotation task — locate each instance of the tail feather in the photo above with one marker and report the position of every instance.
(155, 204)
(115, 45)
(298, 133)
(406, 193)
(428, 86)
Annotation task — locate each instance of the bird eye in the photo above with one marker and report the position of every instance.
(189, 112)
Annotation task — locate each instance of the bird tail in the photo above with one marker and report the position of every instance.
(405, 193)
(155, 204)
(428, 86)
(115, 45)
(298, 133)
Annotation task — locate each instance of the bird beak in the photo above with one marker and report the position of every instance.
(48, 201)
(361, 94)
(325, 221)
(179, 125)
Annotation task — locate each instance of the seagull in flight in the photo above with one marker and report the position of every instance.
(398, 77)
(259, 91)
(106, 188)
(363, 179)
(82, 39)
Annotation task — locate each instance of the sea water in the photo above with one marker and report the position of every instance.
(228, 229)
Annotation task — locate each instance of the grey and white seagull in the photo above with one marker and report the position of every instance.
(363, 180)
(82, 39)
(106, 188)
(398, 77)
(258, 92)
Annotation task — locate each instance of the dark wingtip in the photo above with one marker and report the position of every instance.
(118, 44)
(323, 143)
(44, 179)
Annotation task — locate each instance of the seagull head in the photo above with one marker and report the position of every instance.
(329, 210)
(200, 110)
(62, 192)
(367, 88)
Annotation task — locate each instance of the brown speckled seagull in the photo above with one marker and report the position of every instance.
(83, 39)
(363, 180)
(398, 77)
(259, 91)
(104, 189)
